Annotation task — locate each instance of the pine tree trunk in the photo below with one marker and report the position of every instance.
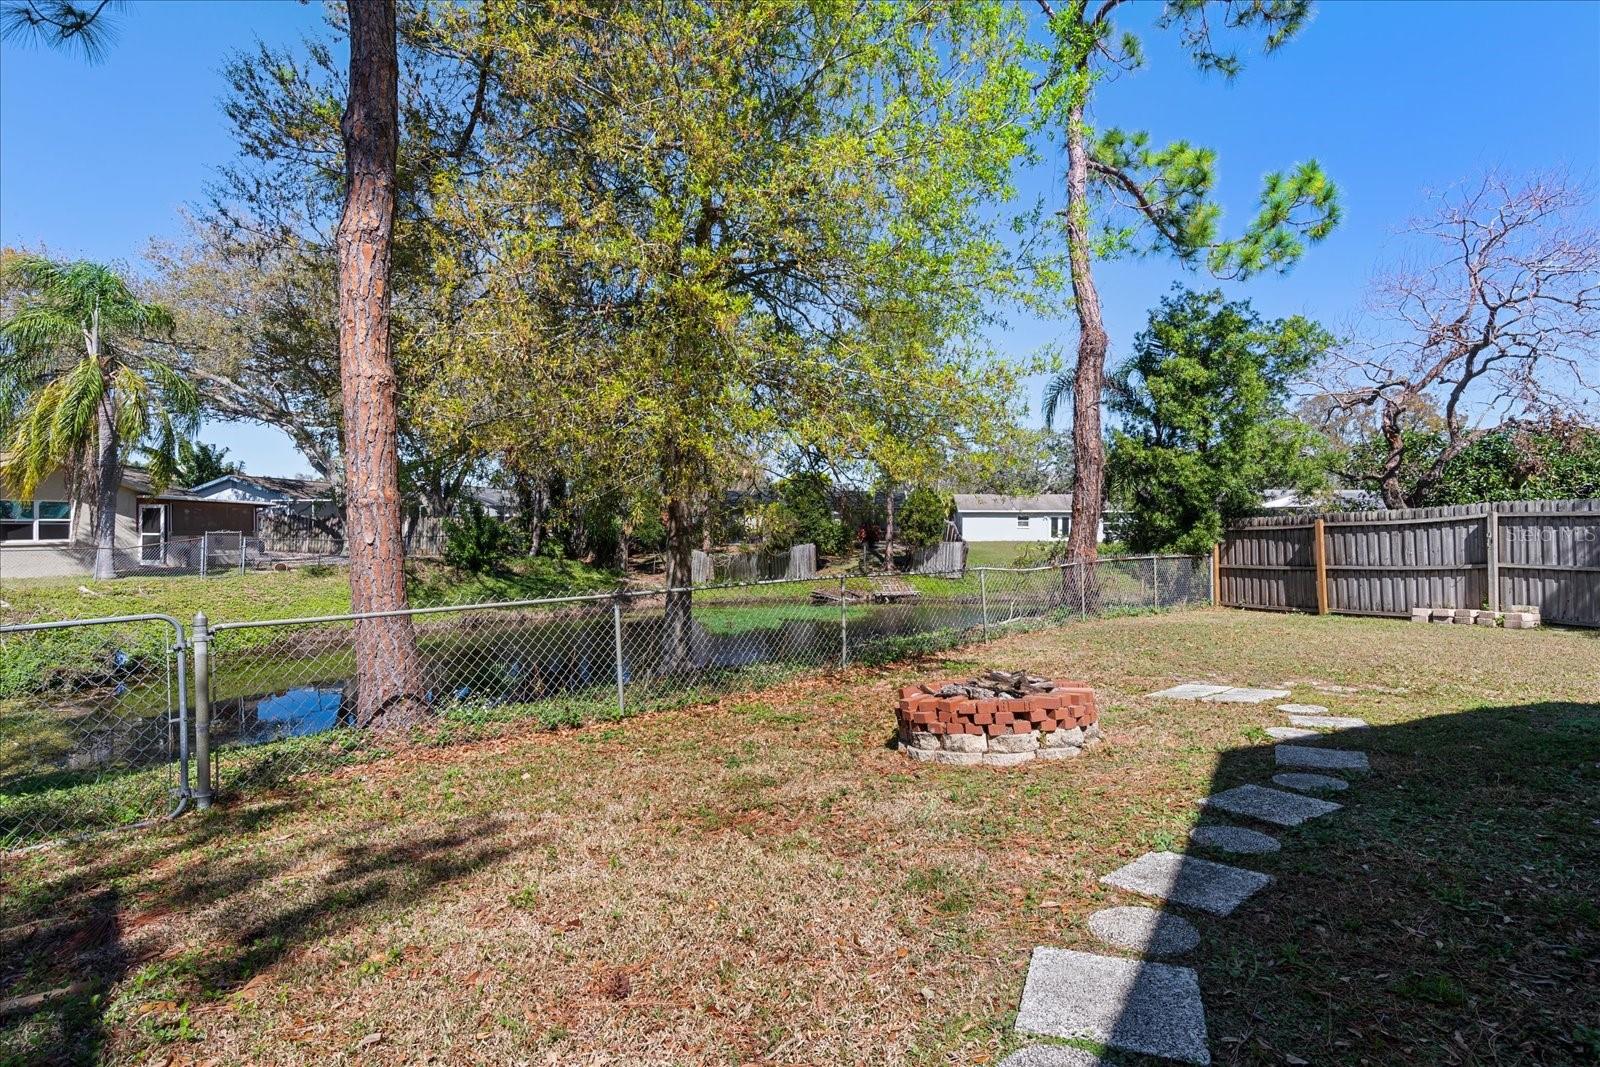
(1088, 449)
(389, 689)
(107, 473)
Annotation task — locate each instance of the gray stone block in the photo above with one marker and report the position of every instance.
(939, 755)
(1289, 733)
(1150, 931)
(1091, 732)
(1131, 1005)
(1212, 887)
(1269, 805)
(1006, 759)
(1310, 783)
(1245, 695)
(1327, 722)
(1464, 616)
(1028, 742)
(1320, 759)
(1486, 618)
(1190, 691)
(966, 743)
(1443, 615)
(1058, 753)
(1063, 738)
(1052, 1056)
(924, 739)
(1302, 709)
(1421, 614)
(1234, 839)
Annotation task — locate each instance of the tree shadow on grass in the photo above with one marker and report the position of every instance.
(1448, 913)
(68, 935)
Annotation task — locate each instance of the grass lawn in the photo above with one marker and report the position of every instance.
(762, 880)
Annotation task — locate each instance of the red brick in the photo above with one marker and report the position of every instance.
(1068, 683)
(1003, 718)
(1038, 715)
(922, 717)
(983, 718)
(1048, 726)
(990, 706)
(1013, 704)
(1047, 702)
(966, 707)
(995, 729)
(910, 692)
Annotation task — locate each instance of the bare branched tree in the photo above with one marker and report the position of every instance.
(1498, 321)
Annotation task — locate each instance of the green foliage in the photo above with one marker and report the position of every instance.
(77, 349)
(199, 463)
(1519, 462)
(921, 519)
(805, 515)
(1204, 425)
(477, 542)
(760, 227)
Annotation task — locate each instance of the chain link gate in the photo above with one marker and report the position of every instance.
(92, 747)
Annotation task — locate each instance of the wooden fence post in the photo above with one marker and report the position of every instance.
(1216, 574)
(1319, 552)
(1491, 548)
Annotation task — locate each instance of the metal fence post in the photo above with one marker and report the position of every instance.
(205, 551)
(241, 553)
(1155, 581)
(1083, 591)
(844, 627)
(1491, 546)
(200, 639)
(616, 648)
(983, 599)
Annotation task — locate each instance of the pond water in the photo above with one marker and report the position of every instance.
(266, 694)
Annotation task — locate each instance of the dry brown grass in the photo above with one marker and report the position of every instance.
(762, 880)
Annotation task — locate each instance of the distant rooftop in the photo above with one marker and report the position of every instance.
(1044, 502)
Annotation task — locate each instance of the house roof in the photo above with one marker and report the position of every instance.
(138, 480)
(1044, 502)
(294, 488)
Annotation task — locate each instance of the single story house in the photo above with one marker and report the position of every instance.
(999, 517)
(49, 535)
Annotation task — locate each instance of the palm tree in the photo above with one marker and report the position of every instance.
(78, 389)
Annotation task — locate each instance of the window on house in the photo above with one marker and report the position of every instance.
(35, 520)
(1058, 525)
(1022, 522)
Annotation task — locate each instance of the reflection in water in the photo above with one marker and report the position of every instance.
(490, 663)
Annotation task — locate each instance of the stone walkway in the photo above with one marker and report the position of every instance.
(1141, 1006)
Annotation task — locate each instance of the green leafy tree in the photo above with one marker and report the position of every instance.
(1555, 460)
(693, 214)
(807, 500)
(82, 386)
(199, 463)
(1127, 196)
(923, 517)
(1203, 404)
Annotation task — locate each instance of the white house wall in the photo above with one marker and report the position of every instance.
(1002, 526)
(56, 559)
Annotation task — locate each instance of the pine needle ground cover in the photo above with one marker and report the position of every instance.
(762, 880)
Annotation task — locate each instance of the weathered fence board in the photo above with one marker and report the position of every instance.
(1537, 553)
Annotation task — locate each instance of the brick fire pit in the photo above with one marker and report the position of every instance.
(1000, 719)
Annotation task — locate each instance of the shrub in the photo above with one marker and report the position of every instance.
(922, 517)
(476, 541)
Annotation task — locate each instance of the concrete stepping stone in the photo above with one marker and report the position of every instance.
(1234, 839)
(1328, 722)
(1148, 930)
(1310, 783)
(1290, 733)
(1303, 709)
(1052, 1056)
(1269, 805)
(1243, 695)
(1132, 1005)
(1190, 691)
(1212, 887)
(1321, 759)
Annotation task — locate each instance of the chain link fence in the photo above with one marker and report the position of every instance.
(94, 728)
(278, 698)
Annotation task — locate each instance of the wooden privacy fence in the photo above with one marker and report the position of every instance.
(1538, 553)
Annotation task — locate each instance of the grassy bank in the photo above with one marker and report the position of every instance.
(761, 879)
(66, 657)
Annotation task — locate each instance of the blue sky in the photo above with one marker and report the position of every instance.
(1394, 99)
